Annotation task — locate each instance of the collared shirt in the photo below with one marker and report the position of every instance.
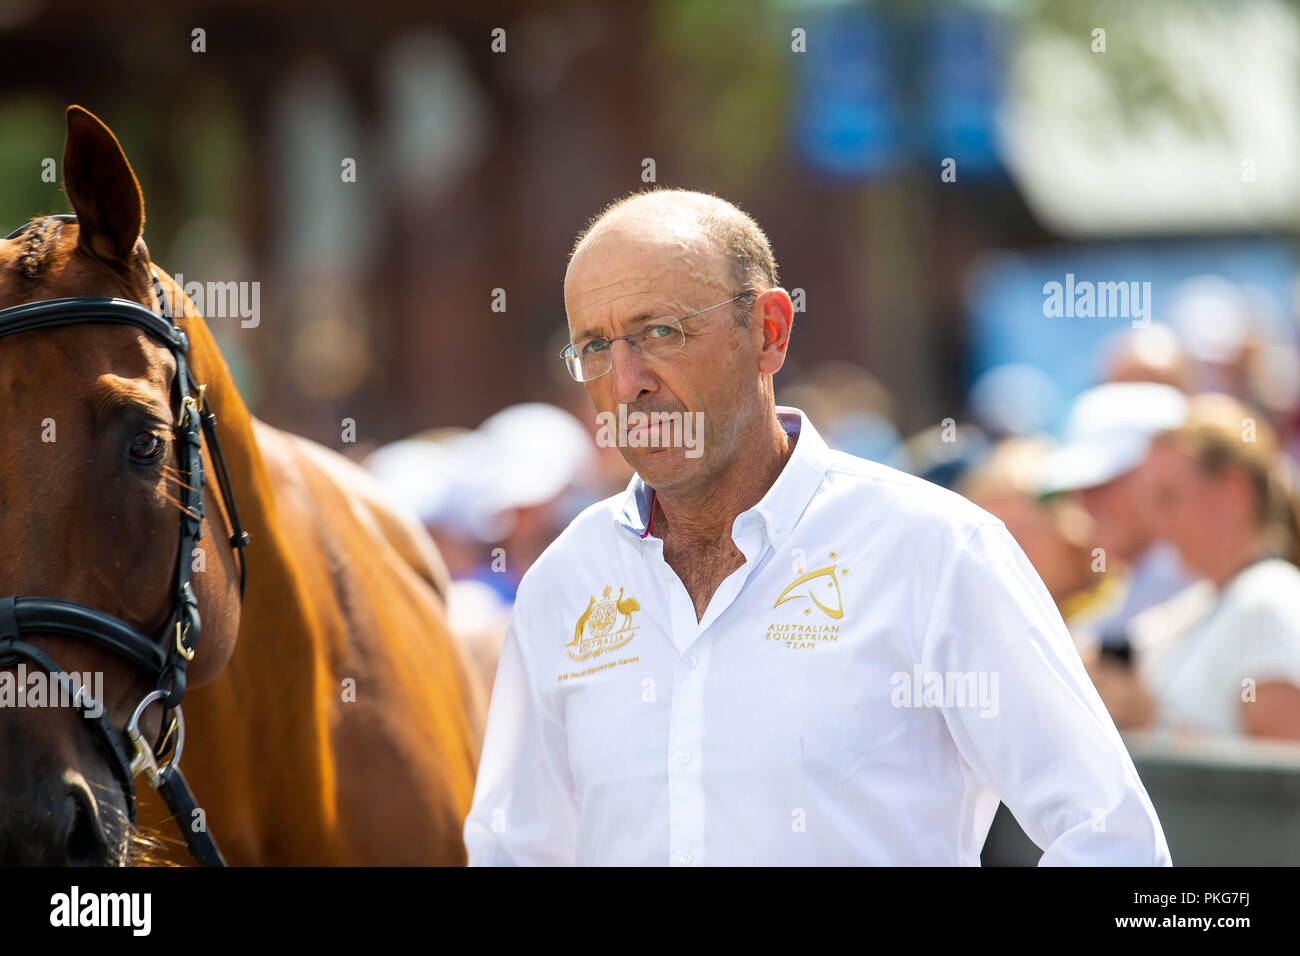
(882, 668)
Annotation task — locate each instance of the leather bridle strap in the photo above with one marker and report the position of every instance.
(13, 649)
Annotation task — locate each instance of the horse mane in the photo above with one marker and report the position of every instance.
(39, 239)
(277, 600)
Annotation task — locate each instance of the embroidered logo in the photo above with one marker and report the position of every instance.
(821, 590)
(595, 631)
(822, 583)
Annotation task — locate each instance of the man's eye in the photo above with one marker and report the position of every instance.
(658, 331)
(595, 345)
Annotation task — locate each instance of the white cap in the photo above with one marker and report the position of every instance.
(1212, 317)
(521, 456)
(531, 453)
(1108, 433)
(415, 474)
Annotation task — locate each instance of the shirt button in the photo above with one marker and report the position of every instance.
(683, 758)
(690, 662)
(687, 859)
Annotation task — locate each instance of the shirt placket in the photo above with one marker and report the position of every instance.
(687, 812)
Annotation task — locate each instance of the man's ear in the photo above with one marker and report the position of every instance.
(775, 314)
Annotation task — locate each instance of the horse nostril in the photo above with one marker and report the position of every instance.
(85, 845)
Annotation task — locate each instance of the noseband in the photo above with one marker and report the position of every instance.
(162, 659)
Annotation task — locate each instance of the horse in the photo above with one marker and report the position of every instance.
(331, 718)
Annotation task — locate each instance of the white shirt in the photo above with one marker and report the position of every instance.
(1198, 653)
(791, 724)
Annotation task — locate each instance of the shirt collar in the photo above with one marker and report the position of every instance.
(779, 509)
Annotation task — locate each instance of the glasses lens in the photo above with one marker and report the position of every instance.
(585, 369)
(654, 340)
(572, 363)
(662, 338)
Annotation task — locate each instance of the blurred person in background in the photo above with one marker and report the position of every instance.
(1013, 400)
(1223, 657)
(526, 463)
(944, 454)
(1238, 342)
(1148, 354)
(855, 409)
(607, 472)
(1105, 464)
(493, 499)
(1053, 534)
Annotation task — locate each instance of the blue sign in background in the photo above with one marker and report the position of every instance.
(1005, 300)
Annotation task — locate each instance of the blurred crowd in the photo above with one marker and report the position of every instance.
(493, 498)
(1162, 519)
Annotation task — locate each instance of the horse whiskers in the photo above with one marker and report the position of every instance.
(113, 822)
(171, 474)
(177, 505)
(147, 847)
(132, 844)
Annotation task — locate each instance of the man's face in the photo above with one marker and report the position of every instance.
(1059, 562)
(626, 278)
(1196, 509)
(1121, 511)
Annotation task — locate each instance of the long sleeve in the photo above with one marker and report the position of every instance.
(524, 812)
(1042, 740)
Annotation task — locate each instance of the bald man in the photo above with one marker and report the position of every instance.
(766, 652)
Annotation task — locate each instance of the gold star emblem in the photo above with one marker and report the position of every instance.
(832, 554)
(807, 610)
(844, 571)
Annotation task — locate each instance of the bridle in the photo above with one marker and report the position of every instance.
(163, 659)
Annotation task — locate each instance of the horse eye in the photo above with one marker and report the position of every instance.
(146, 448)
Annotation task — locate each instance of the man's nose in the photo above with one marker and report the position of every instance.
(631, 372)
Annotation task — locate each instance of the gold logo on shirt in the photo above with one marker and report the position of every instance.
(821, 584)
(595, 632)
(821, 589)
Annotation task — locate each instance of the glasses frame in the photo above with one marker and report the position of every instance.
(572, 348)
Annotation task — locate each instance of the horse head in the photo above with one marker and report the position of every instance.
(92, 504)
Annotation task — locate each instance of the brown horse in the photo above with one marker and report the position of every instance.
(331, 716)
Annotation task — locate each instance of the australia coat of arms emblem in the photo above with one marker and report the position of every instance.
(604, 626)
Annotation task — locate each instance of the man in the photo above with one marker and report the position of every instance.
(767, 652)
(1106, 463)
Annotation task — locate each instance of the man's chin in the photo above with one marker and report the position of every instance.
(661, 467)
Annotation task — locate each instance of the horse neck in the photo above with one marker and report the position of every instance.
(277, 683)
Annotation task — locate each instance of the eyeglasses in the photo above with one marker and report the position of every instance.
(592, 358)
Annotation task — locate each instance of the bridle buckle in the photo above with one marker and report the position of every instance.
(181, 649)
(189, 406)
(143, 759)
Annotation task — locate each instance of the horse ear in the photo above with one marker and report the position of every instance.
(103, 190)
